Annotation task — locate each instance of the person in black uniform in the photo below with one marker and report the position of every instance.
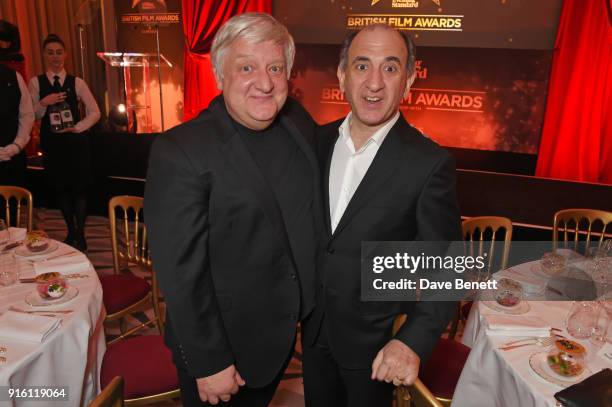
(17, 117)
(66, 152)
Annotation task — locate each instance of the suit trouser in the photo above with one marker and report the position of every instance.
(246, 396)
(327, 384)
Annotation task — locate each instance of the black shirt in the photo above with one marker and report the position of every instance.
(288, 173)
(273, 150)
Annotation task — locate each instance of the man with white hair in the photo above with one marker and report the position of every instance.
(231, 204)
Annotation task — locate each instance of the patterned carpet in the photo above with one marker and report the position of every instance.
(290, 392)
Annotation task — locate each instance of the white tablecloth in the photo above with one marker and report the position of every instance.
(71, 356)
(492, 377)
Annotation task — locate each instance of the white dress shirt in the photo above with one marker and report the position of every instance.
(92, 112)
(26, 120)
(348, 167)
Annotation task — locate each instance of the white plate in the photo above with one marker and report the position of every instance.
(519, 309)
(35, 300)
(22, 251)
(538, 363)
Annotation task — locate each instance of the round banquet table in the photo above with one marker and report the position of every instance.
(492, 377)
(71, 356)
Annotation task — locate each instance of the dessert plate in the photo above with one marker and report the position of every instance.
(23, 251)
(538, 364)
(35, 300)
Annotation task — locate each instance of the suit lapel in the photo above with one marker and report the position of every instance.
(239, 157)
(329, 153)
(308, 151)
(383, 166)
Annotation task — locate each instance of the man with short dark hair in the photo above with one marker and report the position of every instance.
(383, 181)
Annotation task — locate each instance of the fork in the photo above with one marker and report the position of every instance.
(68, 254)
(15, 309)
(539, 341)
(531, 338)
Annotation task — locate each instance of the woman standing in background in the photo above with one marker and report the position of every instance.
(67, 155)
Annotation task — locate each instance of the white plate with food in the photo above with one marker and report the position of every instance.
(34, 299)
(24, 251)
(539, 364)
(518, 309)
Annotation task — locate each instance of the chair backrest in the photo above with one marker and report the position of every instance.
(483, 229)
(18, 195)
(582, 223)
(417, 394)
(111, 396)
(132, 247)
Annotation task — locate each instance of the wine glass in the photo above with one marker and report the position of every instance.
(581, 319)
(4, 232)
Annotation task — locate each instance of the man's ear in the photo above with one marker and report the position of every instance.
(409, 83)
(340, 74)
(218, 79)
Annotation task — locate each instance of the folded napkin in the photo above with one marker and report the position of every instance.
(515, 325)
(68, 264)
(27, 327)
(17, 234)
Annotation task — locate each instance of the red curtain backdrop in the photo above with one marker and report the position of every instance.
(201, 20)
(577, 135)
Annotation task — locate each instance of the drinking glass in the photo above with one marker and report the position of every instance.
(581, 319)
(4, 232)
(602, 324)
(553, 263)
(8, 269)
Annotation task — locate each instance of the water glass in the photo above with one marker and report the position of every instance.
(8, 269)
(4, 232)
(581, 319)
(602, 324)
(553, 263)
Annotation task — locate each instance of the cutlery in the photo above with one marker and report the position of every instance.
(67, 254)
(540, 342)
(41, 312)
(533, 338)
(68, 276)
(11, 246)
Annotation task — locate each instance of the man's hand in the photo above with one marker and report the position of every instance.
(396, 363)
(220, 386)
(5, 154)
(53, 98)
(67, 130)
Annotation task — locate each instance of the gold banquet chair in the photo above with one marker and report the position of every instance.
(582, 224)
(483, 227)
(480, 234)
(437, 378)
(19, 196)
(111, 396)
(146, 365)
(125, 293)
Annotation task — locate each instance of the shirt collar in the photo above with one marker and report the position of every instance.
(378, 137)
(62, 75)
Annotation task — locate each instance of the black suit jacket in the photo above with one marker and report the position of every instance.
(230, 267)
(407, 194)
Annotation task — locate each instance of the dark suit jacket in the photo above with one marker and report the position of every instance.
(229, 265)
(407, 194)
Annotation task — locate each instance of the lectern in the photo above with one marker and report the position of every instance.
(128, 60)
